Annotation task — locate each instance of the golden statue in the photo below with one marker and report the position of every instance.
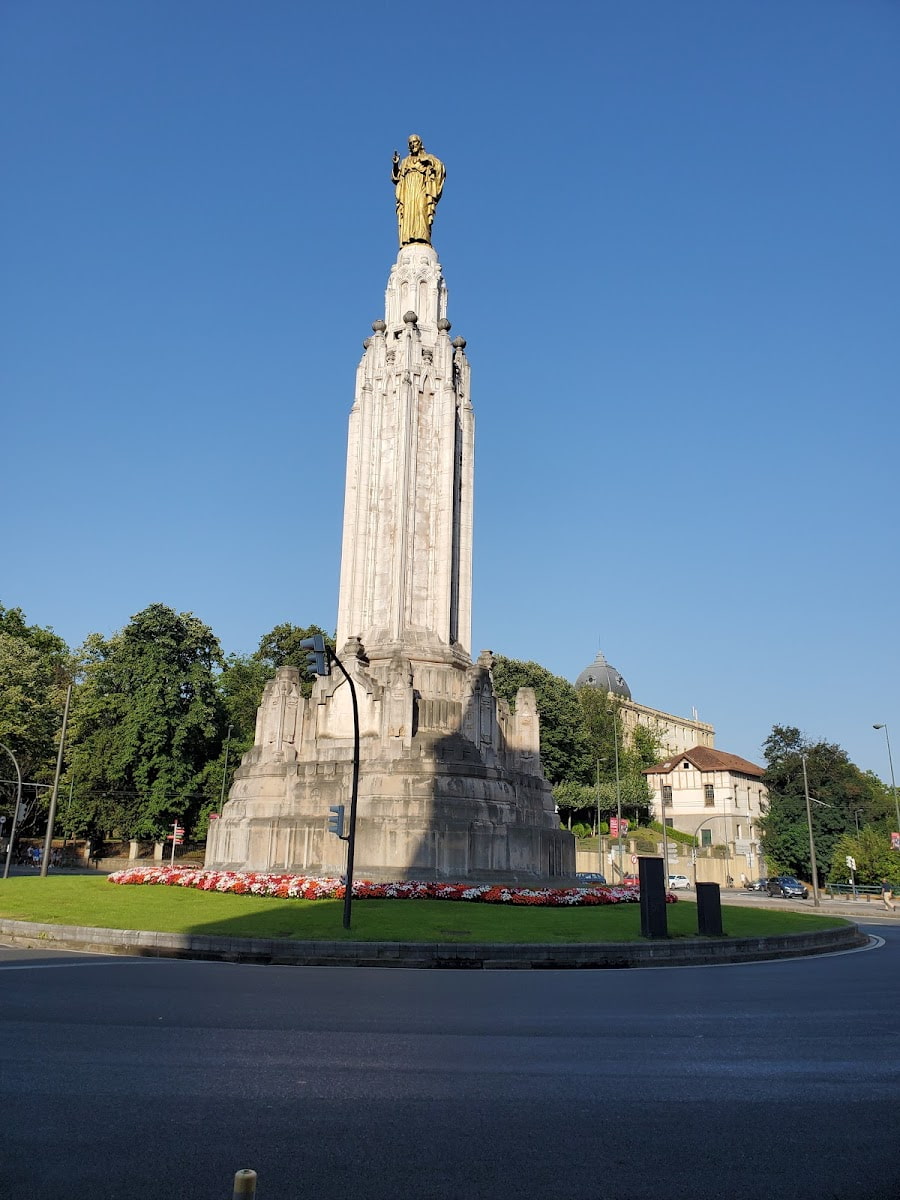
(418, 181)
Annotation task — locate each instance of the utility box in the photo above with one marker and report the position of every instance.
(654, 922)
(709, 910)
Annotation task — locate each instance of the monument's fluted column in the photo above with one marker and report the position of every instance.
(406, 566)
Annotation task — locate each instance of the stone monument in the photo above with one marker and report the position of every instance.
(451, 785)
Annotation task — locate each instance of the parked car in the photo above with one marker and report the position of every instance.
(786, 886)
(757, 885)
(677, 882)
(589, 878)
(631, 880)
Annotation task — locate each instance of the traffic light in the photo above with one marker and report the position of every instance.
(317, 658)
(336, 820)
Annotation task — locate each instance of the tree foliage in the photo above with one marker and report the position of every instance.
(871, 850)
(35, 668)
(565, 744)
(281, 648)
(838, 787)
(147, 719)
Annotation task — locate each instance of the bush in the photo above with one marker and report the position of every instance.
(674, 835)
(644, 842)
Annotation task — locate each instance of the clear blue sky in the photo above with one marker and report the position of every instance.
(670, 234)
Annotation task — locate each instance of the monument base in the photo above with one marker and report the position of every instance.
(450, 782)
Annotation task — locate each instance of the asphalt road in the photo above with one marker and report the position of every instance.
(140, 1078)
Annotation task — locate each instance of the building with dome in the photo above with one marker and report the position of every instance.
(675, 734)
(697, 789)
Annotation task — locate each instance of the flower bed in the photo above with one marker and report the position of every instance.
(302, 887)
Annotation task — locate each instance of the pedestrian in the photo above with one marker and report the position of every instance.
(744, 881)
(887, 895)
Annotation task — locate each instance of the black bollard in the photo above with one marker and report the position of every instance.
(709, 910)
(654, 922)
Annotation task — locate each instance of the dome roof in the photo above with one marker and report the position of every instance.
(604, 677)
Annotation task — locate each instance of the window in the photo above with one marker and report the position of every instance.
(666, 794)
(705, 837)
(709, 795)
(686, 765)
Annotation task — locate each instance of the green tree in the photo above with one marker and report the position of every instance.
(146, 721)
(565, 744)
(875, 860)
(35, 668)
(602, 713)
(838, 787)
(576, 802)
(281, 648)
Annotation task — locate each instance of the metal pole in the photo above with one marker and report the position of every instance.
(618, 791)
(12, 831)
(599, 839)
(351, 833)
(225, 768)
(891, 762)
(812, 845)
(51, 815)
(695, 848)
(662, 817)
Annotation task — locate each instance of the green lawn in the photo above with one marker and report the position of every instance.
(87, 900)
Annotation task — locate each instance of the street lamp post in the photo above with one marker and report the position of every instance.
(695, 849)
(812, 845)
(51, 815)
(12, 828)
(319, 660)
(618, 791)
(891, 762)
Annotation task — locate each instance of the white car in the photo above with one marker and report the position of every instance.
(677, 882)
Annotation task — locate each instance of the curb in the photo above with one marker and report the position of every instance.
(681, 952)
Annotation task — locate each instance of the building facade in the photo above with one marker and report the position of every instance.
(675, 734)
(715, 796)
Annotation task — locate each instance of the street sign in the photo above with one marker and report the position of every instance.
(851, 862)
(634, 858)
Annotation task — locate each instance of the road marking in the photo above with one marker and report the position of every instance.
(875, 943)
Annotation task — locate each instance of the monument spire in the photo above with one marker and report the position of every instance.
(406, 564)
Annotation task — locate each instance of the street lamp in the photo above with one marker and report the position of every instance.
(891, 761)
(812, 844)
(12, 828)
(694, 848)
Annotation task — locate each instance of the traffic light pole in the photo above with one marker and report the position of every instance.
(351, 833)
